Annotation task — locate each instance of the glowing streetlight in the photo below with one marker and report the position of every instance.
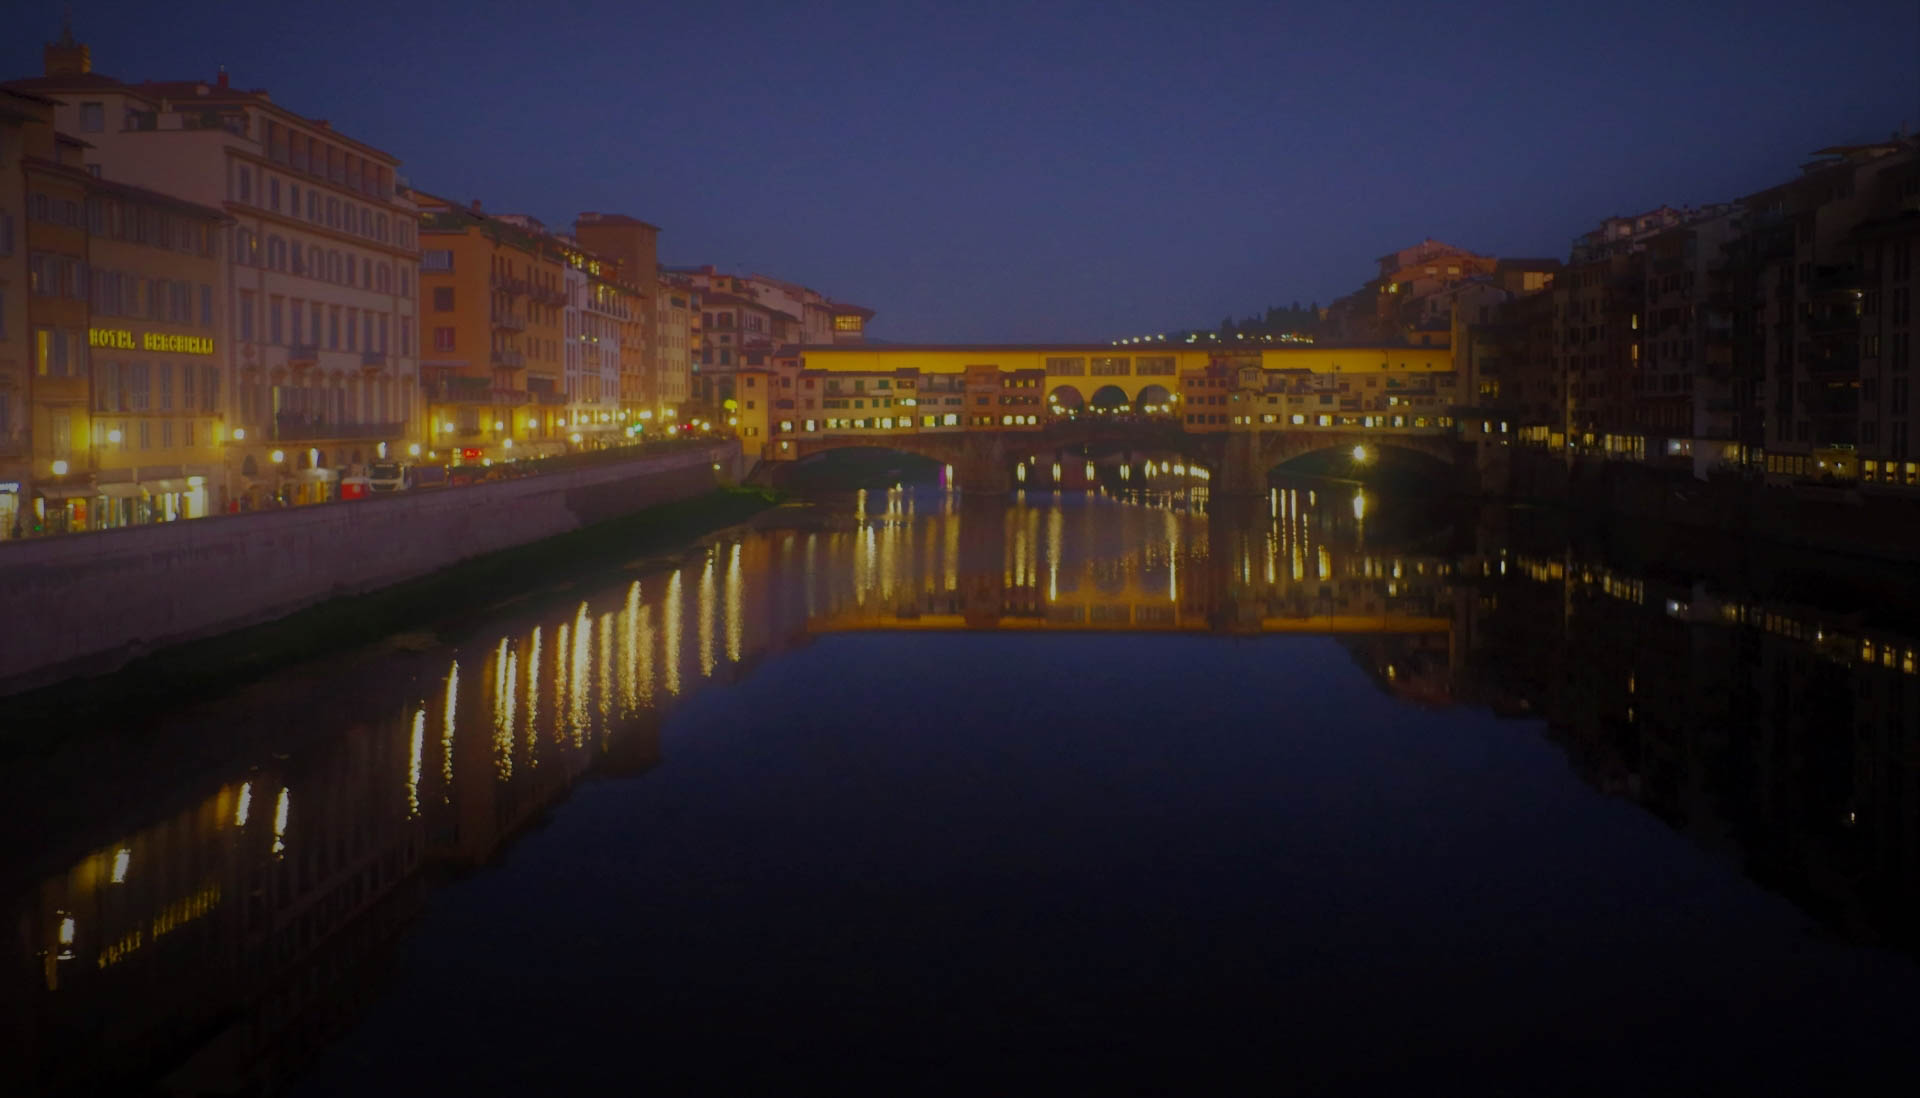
(1360, 454)
(59, 468)
(277, 456)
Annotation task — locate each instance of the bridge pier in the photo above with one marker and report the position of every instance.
(982, 468)
(1243, 470)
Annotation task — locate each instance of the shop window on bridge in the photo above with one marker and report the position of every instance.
(1299, 420)
(1066, 367)
(1153, 366)
(1111, 366)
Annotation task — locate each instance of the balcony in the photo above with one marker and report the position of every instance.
(459, 390)
(507, 321)
(512, 286)
(302, 427)
(508, 360)
(373, 360)
(1832, 322)
(303, 354)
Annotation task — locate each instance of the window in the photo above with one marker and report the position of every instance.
(93, 117)
(442, 337)
(443, 299)
(273, 192)
(275, 331)
(333, 327)
(206, 305)
(245, 319)
(165, 386)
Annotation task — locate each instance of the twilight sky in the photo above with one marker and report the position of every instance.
(993, 171)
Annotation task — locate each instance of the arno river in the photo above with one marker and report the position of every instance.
(1057, 795)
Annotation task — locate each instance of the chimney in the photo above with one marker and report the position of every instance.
(223, 76)
(66, 57)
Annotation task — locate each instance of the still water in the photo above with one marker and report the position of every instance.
(1065, 795)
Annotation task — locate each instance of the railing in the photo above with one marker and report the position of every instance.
(296, 427)
(512, 360)
(303, 352)
(509, 322)
(373, 360)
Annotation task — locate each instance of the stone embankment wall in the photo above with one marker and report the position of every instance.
(89, 602)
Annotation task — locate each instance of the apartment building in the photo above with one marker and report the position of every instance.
(320, 263)
(493, 308)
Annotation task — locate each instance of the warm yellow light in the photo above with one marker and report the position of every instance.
(413, 450)
(239, 434)
(196, 482)
(277, 456)
(59, 468)
(115, 435)
(646, 415)
(575, 436)
(446, 426)
(508, 444)
(1360, 453)
(499, 425)
(120, 859)
(733, 421)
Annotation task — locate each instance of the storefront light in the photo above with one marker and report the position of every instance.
(59, 468)
(114, 435)
(239, 434)
(277, 456)
(413, 450)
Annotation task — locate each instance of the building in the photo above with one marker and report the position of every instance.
(628, 253)
(610, 376)
(493, 295)
(111, 359)
(1828, 404)
(676, 316)
(319, 311)
(744, 320)
(1888, 249)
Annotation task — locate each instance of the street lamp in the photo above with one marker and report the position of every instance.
(1360, 455)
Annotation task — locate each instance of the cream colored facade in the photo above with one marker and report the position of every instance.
(320, 267)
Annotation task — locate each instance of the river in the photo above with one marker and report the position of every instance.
(1058, 794)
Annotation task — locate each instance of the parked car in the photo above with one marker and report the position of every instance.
(355, 487)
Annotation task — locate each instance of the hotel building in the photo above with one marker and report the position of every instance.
(318, 309)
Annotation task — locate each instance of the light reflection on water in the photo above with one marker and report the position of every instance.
(248, 903)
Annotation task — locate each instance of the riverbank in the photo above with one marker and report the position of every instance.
(439, 601)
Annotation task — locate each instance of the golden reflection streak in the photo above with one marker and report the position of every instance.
(643, 653)
(705, 619)
(950, 546)
(281, 810)
(670, 658)
(446, 734)
(561, 690)
(578, 673)
(504, 718)
(1056, 534)
(413, 769)
(735, 612)
(603, 673)
(629, 649)
(1173, 558)
(533, 698)
(243, 808)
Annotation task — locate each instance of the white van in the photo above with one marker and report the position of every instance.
(389, 476)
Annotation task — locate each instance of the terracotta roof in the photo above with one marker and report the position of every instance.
(85, 80)
(843, 309)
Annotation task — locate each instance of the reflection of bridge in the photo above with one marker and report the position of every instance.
(983, 460)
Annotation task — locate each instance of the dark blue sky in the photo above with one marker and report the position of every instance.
(1039, 170)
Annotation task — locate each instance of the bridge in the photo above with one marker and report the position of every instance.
(985, 411)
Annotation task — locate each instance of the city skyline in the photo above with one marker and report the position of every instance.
(1180, 189)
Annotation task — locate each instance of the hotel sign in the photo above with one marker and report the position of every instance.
(124, 340)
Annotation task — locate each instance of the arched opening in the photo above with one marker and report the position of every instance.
(1155, 400)
(1066, 402)
(1109, 399)
(850, 468)
(1387, 467)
